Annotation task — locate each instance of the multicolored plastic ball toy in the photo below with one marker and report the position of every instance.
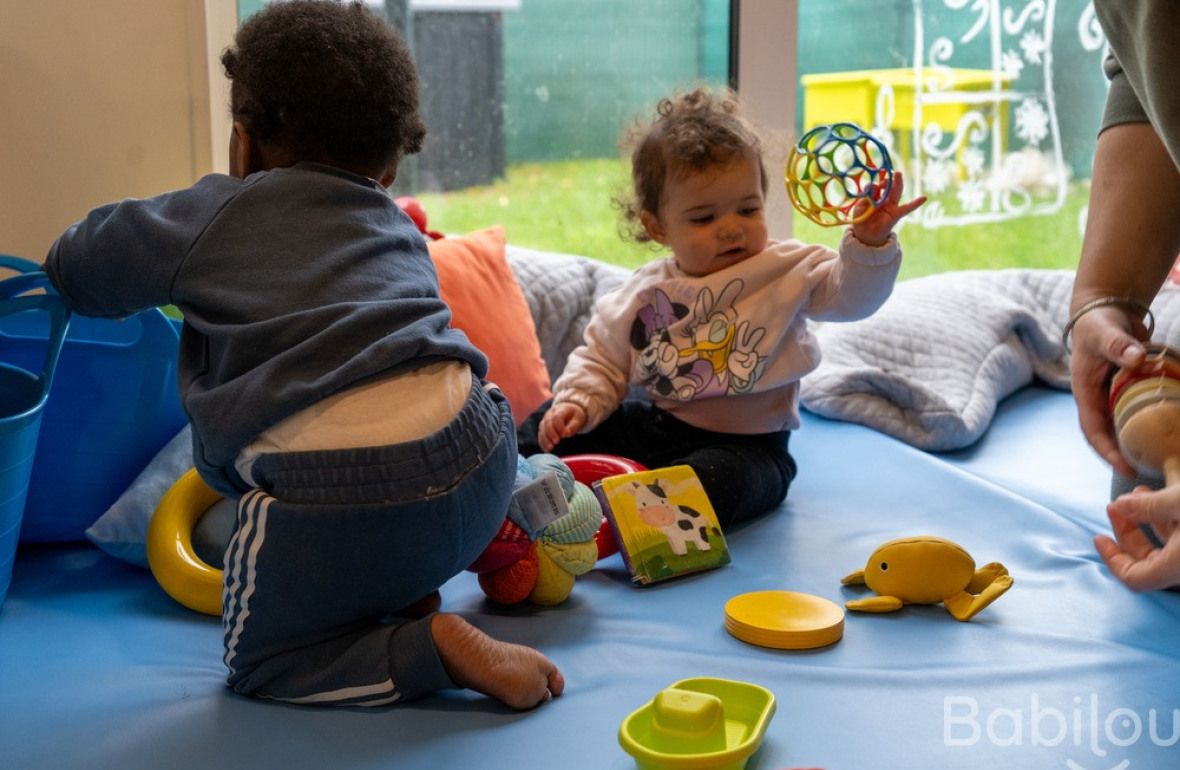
(834, 170)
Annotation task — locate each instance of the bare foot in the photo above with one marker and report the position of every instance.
(517, 676)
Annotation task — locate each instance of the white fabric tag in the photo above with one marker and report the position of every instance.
(538, 503)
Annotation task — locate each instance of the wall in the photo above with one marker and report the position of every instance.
(102, 101)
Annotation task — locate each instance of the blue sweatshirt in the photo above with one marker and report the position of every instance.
(295, 284)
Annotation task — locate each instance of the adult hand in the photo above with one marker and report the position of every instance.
(1131, 556)
(1103, 340)
(874, 230)
(561, 421)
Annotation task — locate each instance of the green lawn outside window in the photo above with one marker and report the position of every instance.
(566, 206)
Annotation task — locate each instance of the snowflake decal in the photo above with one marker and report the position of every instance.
(883, 134)
(972, 196)
(973, 161)
(1033, 46)
(966, 164)
(936, 177)
(1032, 122)
(1011, 64)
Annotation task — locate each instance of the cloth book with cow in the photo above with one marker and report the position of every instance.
(663, 522)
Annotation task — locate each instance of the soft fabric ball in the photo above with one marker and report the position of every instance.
(554, 584)
(510, 544)
(541, 464)
(513, 567)
(512, 584)
(581, 523)
(574, 558)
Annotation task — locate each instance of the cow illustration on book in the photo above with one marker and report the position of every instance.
(655, 514)
(681, 524)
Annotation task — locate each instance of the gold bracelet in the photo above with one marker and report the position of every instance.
(1124, 302)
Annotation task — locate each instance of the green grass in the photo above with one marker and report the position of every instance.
(1051, 241)
(566, 207)
(563, 206)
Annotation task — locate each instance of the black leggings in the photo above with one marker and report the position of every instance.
(744, 475)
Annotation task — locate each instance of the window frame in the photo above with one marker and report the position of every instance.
(763, 66)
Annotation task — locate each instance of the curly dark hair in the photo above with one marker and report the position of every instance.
(691, 132)
(326, 82)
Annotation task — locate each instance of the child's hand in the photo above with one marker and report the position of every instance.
(561, 421)
(874, 230)
(1130, 555)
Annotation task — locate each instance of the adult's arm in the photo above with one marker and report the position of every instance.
(1132, 239)
(1132, 233)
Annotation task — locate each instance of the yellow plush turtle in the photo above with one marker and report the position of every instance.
(927, 570)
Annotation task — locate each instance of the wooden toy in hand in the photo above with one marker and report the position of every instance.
(1145, 405)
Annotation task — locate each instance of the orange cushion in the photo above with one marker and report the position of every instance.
(489, 307)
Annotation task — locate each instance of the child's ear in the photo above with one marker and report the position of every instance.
(388, 175)
(238, 150)
(242, 151)
(651, 224)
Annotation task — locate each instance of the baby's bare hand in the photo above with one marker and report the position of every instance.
(561, 421)
(874, 230)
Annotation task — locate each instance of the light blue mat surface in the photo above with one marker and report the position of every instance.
(99, 669)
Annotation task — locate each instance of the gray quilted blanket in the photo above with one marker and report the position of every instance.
(561, 290)
(933, 363)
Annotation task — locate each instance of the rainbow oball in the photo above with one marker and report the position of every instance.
(838, 174)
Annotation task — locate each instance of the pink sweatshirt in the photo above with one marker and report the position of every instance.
(724, 352)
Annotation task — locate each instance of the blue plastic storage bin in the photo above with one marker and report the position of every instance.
(23, 394)
(113, 405)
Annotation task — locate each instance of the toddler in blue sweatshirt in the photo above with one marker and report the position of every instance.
(327, 391)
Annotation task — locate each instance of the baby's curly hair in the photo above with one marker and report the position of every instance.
(326, 82)
(691, 132)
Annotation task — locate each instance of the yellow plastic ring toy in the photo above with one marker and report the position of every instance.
(180, 572)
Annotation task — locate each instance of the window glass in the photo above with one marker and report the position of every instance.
(525, 100)
(991, 107)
